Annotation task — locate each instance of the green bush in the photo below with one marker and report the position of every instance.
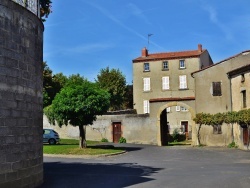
(122, 140)
(104, 140)
(232, 145)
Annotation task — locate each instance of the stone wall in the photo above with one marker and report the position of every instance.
(135, 128)
(21, 43)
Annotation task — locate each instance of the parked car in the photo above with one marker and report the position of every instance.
(50, 136)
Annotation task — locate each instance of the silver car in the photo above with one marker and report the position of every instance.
(50, 136)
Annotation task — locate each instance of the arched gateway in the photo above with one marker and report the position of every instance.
(171, 112)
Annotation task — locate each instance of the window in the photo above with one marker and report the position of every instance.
(146, 106)
(165, 82)
(146, 67)
(216, 88)
(183, 109)
(168, 109)
(217, 129)
(244, 99)
(182, 64)
(165, 65)
(146, 84)
(242, 78)
(178, 108)
(183, 82)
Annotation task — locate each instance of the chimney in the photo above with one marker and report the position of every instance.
(199, 47)
(144, 52)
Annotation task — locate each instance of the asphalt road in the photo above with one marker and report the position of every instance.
(152, 166)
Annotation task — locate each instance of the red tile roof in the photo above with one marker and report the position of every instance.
(172, 99)
(169, 55)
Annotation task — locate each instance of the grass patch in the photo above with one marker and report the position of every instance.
(71, 147)
(182, 143)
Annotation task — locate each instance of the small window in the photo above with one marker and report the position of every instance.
(146, 84)
(165, 65)
(216, 88)
(146, 67)
(165, 83)
(178, 108)
(217, 129)
(183, 109)
(242, 78)
(244, 99)
(182, 64)
(146, 106)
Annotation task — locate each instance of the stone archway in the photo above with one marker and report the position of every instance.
(159, 124)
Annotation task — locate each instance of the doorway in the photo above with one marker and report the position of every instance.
(164, 128)
(184, 126)
(117, 132)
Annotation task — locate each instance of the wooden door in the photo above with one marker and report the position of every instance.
(117, 132)
(245, 136)
(184, 124)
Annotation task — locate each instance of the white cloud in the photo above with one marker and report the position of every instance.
(139, 13)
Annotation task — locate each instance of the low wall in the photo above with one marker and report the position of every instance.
(135, 128)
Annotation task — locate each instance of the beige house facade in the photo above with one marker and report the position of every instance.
(164, 89)
(240, 91)
(220, 88)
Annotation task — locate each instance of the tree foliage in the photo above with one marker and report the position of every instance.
(114, 82)
(45, 8)
(78, 103)
(52, 84)
(241, 117)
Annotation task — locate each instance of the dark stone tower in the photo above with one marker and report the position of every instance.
(21, 56)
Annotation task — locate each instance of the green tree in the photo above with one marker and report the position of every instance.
(231, 118)
(52, 84)
(78, 103)
(115, 83)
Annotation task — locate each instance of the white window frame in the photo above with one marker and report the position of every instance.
(163, 67)
(146, 84)
(183, 81)
(165, 83)
(182, 64)
(178, 108)
(146, 68)
(146, 106)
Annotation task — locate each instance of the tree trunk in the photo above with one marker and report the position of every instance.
(82, 137)
(232, 132)
(198, 135)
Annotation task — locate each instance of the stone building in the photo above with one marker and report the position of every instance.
(164, 89)
(21, 48)
(217, 89)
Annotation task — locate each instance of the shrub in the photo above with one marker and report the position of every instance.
(104, 140)
(232, 145)
(122, 140)
(175, 135)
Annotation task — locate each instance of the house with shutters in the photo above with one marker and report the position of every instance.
(224, 87)
(164, 89)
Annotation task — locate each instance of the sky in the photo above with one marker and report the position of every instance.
(85, 36)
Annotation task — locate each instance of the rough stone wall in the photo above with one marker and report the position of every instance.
(21, 43)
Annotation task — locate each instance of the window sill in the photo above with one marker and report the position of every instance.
(165, 69)
(182, 68)
(181, 89)
(146, 71)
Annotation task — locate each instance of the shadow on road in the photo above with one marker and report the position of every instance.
(91, 175)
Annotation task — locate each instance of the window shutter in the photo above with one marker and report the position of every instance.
(165, 82)
(216, 88)
(146, 106)
(146, 82)
(183, 82)
(168, 109)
